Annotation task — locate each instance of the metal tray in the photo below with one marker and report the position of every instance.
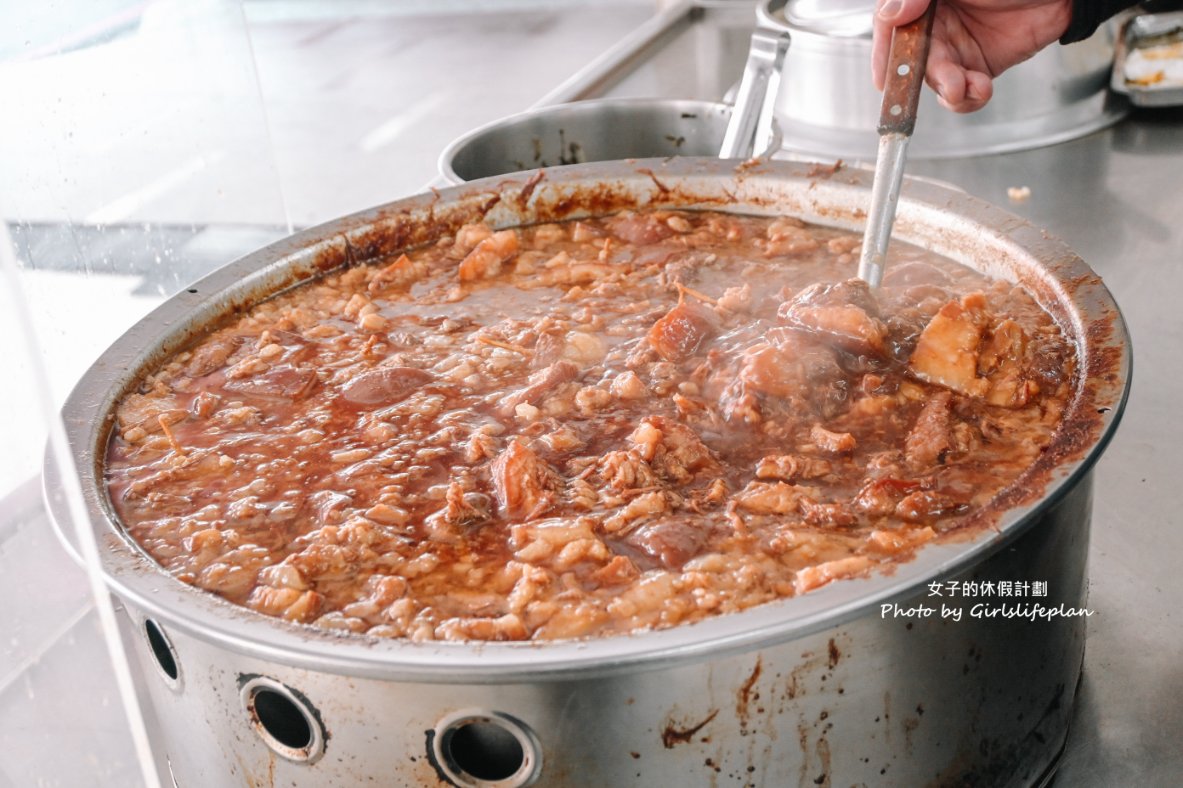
(1140, 32)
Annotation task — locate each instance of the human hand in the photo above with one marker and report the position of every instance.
(973, 41)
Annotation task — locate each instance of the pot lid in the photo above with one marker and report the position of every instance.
(837, 18)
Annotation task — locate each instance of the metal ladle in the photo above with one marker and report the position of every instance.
(901, 94)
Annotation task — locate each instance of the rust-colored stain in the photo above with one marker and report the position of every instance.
(745, 696)
(834, 653)
(910, 725)
(673, 735)
(528, 189)
(791, 688)
(823, 754)
(824, 171)
(803, 743)
(661, 187)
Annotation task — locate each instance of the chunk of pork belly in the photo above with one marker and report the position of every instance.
(402, 273)
(1003, 361)
(791, 467)
(832, 442)
(539, 384)
(639, 228)
(674, 449)
(835, 513)
(281, 382)
(797, 367)
(626, 470)
(487, 258)
(958, 349)
(212, 355)
(844, 313)
(680, 332)
(775, 498)
(670, 543)
(523, 483)
(385, 385)
(947, 352)
(813, 577)
(932, 435)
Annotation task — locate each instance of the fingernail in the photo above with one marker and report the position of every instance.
(891, 8)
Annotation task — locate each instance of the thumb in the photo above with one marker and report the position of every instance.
(899, 12)
(890, 14)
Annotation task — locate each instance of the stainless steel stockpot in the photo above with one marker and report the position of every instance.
(591, 131)
(828, 107)
(849, 684)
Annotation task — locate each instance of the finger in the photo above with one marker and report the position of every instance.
(979, 88)
(899, 12)
(959, 89)
(880, 44)
(889, 14)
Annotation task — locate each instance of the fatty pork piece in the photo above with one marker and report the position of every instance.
(972, 352)
(539, 385)
(385, 385)
(488, 256)
(674, 450)
(279, 382)
(679, 334)
(931, 437)
(524, 484)
(668, 542)
(639, 229)
(213, 354)
(844, 313)
(787, 366)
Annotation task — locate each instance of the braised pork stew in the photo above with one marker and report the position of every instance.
(588, 428)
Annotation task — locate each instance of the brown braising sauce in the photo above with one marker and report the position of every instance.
(579, 429)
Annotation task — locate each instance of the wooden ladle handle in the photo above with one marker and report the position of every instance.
(905, 73)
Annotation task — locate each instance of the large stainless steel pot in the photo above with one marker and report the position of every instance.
(825, 689)
(828, 106)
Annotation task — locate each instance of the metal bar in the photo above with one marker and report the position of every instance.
(885, 195)
(618, 62)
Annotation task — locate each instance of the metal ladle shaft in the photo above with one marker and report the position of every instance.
(901, 95)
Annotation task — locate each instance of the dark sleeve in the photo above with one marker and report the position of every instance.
(1087, 16)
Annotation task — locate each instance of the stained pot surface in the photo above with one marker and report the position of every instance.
(945, 221)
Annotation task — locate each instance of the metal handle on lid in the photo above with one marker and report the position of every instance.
(905, 73)
(750, 128)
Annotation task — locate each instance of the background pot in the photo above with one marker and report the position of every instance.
(827, 105)
(590, 131)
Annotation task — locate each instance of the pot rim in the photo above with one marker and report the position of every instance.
(929, 214)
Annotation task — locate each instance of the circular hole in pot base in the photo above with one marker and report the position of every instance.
(482, 749)
(283, 719)
(485, 750)
(162, 650)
